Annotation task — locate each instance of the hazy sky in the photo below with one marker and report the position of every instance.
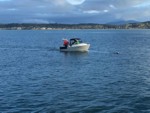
(73, 11)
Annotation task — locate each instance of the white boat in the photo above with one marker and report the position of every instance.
(75, 45)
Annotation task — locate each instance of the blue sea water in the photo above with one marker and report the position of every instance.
(113, 77)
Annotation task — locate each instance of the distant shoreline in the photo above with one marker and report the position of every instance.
(55, 26)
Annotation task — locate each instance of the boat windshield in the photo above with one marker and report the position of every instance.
(75, 41)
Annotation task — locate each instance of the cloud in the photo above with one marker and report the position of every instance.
(142, 5)
(95, 11)
(75, 2)
(35, 21)
(91, 11)
(112, 6)
(12, 9)
(88, 11)
(5, 0)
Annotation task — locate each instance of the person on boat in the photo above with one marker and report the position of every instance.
(77, 42)
(66, 42)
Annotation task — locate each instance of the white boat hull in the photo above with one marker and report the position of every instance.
(83, 47)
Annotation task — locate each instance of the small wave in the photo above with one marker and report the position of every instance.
(53, 49)
(94, 51)
(105, 52)
(20, 48)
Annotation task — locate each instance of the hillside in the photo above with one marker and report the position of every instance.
(16, 26)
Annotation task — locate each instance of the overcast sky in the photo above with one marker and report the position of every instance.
(73, 11)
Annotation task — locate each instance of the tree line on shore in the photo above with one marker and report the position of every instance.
(32, 26)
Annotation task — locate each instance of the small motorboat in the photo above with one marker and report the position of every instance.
(75, 45)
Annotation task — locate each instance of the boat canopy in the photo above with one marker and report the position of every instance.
(74, 40)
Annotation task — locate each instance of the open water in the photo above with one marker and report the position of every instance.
(113, 77)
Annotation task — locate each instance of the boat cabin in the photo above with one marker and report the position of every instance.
(75, 41)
